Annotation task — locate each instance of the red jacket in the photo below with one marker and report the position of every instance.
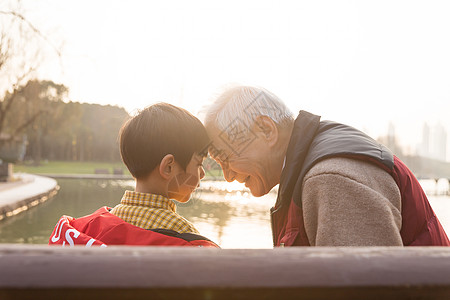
(312, 141)
(103, 228)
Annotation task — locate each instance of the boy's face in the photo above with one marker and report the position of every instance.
(184, 183)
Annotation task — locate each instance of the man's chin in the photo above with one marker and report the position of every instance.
(256, 192)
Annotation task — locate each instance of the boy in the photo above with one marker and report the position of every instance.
(163, 147)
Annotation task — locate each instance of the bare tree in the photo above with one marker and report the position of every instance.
(21, 53)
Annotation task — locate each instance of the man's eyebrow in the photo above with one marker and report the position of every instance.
(213, 151)
(203, 154)
(221, 156)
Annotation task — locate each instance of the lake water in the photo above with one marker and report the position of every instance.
(222, 211)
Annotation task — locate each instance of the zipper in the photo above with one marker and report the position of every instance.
(273, 210)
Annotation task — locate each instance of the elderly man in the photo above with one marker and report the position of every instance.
(337, 186)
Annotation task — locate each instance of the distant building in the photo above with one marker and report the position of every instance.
(424, 146)
(434, 142)
(391, 136)
(438, 143)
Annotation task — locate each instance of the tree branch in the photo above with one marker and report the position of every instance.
(9, 101)
(27, 123)
(37, 31)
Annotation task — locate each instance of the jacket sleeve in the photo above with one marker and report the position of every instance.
(348, 202)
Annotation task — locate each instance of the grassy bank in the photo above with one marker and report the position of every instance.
(73, 167)
(70, 167)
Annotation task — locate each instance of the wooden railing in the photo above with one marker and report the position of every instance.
(50, 272)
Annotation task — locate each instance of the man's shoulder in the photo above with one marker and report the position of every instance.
(357, 169)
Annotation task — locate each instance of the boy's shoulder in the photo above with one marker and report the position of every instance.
(103, 228)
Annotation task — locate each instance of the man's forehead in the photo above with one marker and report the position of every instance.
(218, 142)
(214, 149)
(233, 140)
(216, 136)
(218, 152)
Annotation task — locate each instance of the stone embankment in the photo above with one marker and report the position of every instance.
(24, 192)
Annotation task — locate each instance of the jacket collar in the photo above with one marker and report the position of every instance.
(303, 133)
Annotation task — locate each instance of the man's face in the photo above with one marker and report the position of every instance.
(244, 160)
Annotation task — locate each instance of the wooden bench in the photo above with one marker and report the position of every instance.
(50, 272)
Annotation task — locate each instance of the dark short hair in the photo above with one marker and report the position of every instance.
(156, 131)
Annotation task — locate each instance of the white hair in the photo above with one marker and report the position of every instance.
(238, 107)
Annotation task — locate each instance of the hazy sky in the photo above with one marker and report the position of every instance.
(363, 63)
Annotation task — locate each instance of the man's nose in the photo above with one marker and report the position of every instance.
(229, 174)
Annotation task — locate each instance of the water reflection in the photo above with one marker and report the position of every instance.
(220, 211)
(232, 219)
(75, 198)
(224, 212)
(435, 187)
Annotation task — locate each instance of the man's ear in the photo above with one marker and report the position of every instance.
(166, 167)
(267, 129)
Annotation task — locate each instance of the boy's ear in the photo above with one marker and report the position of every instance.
(166, 166)
(266, 128)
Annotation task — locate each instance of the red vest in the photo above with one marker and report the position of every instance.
(420, 226)
(103, 228)
(312, 141)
